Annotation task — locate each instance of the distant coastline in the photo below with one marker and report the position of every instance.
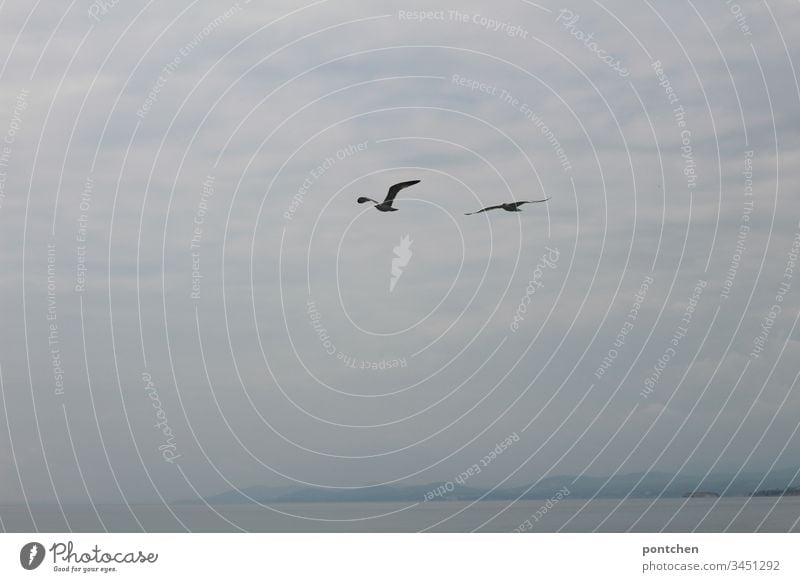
(651, 485)
(701, 494)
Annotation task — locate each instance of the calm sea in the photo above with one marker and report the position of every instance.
(734, 514)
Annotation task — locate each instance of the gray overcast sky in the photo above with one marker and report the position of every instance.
(127, 126)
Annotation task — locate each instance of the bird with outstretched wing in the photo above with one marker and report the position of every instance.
(386, 205)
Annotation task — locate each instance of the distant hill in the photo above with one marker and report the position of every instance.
(379, 493)
(701, 494)
(637, 485)
(258, 493)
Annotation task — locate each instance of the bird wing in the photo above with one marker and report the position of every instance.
(496, 206)
(521, 202)
(396, 188)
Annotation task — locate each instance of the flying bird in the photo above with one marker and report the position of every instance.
(508, 206)
(386, 205)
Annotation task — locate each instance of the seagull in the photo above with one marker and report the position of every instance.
(508, 206)
(386, 205)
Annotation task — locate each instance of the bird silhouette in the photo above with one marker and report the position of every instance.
(386, 205)
(507, 206)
